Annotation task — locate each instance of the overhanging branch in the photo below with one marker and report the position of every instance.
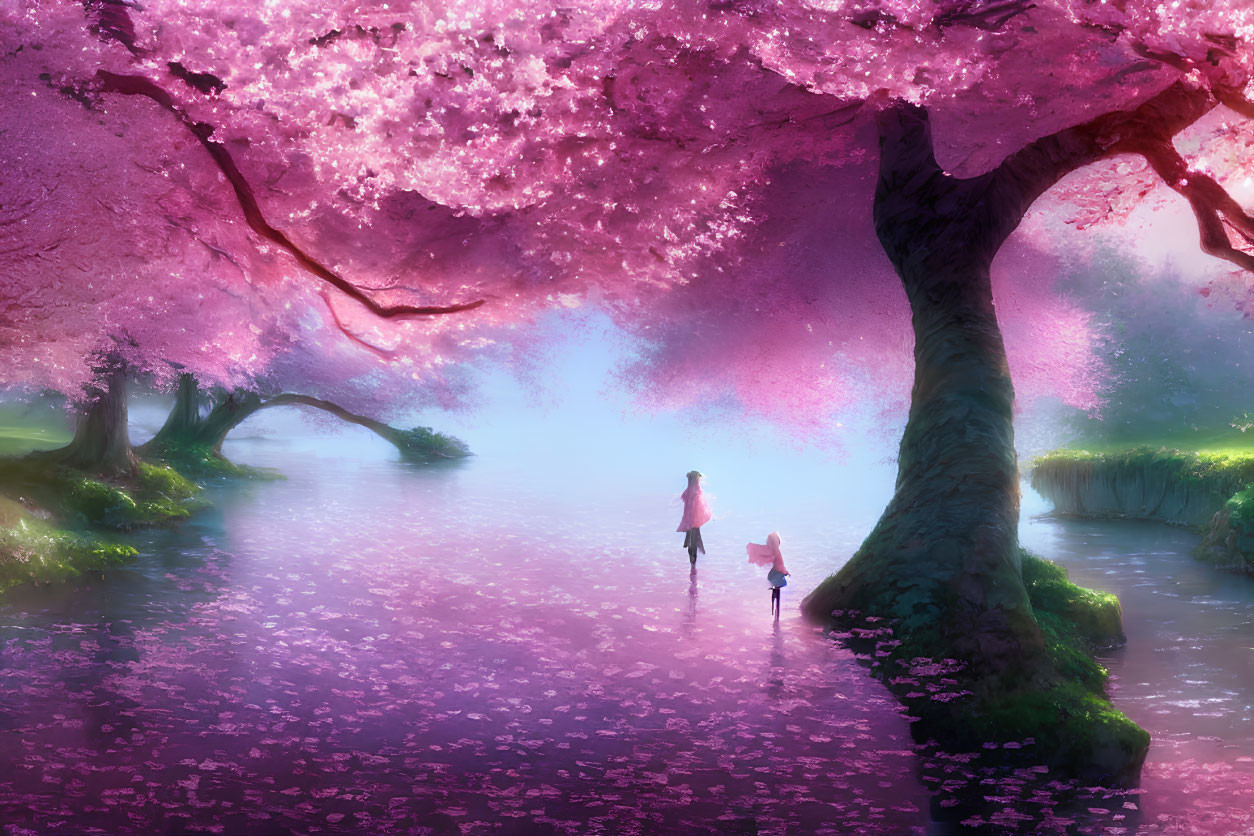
(1037, 167)
(134, 85)
(1212, 205)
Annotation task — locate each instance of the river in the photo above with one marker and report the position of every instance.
(368, 646)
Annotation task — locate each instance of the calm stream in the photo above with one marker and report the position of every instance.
(373, 647)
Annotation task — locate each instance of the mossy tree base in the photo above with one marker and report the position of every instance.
(201, 461)
(1060, 717)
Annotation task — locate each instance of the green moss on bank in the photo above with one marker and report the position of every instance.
(53, 519)
(1240, 510)
(158, 495)
(36, 551)
(1073, 719)
(56, 522)
(203, 462)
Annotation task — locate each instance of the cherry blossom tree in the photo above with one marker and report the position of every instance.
(128, 256)
(110, 269)
(738, 181)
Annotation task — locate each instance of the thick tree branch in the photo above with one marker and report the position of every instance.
(409, 445)
(1028, 173)
(1211, 204)
(132, 85)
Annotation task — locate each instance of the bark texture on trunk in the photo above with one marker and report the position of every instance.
(186, 429)
(185, 414)
(943, 563)
(943, 559)
(101, 442)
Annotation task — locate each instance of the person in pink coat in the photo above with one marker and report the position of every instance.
(696, 514)
(770, 555)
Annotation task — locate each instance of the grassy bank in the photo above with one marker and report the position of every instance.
(58, 524)
(1210, 489)
(201, 461)
(1223, 469)
(1185, 487)
(35, 550)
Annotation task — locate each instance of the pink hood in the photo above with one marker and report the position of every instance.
(696, 512)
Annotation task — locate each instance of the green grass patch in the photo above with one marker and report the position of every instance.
(36, 551)
(157, 496)
(20, 439)
(201, 461)
(1230, 444)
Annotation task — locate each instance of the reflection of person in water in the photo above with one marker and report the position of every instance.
(696, 514)
(690, 619)
(770, 555)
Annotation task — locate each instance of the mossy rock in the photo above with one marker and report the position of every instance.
(99, 503)
(1228, 540)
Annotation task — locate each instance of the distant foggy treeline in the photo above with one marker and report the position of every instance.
(1181, 363)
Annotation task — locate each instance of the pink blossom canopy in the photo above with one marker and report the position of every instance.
(702, 171)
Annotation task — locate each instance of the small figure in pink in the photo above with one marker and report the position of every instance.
(770, 555)
(696, 514)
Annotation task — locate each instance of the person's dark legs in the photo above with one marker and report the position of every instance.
(692, 555)
(775, 601)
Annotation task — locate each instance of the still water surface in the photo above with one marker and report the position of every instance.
(373, 647)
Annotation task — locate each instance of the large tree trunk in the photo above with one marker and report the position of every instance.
(186, 430)
(101, 442)
(184, 417)
(943, 560)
